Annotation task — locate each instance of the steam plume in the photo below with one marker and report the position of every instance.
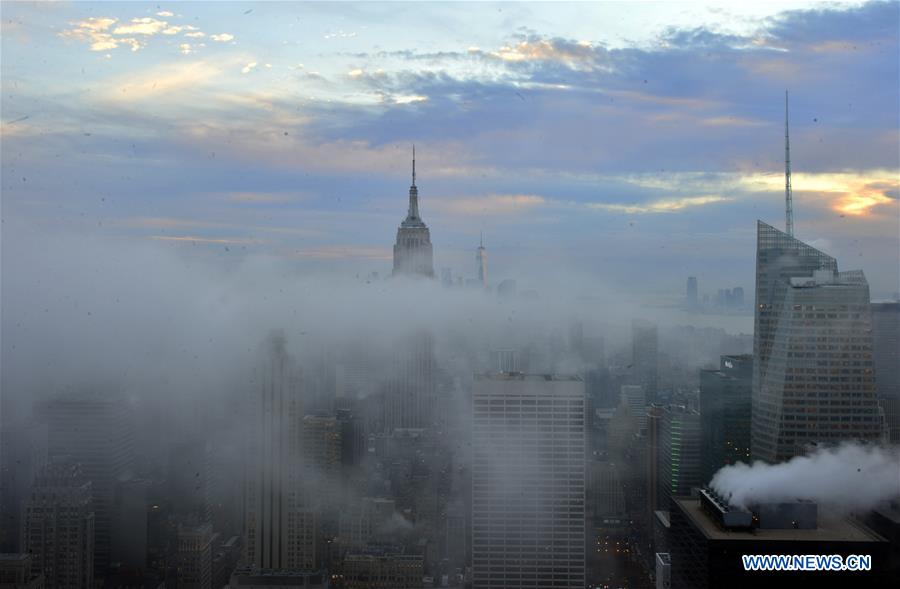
(850, 477)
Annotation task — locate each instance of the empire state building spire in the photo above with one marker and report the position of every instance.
(412, 250)
(413, 212)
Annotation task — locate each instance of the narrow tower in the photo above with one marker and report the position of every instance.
(412, 250)
(481, 258)
(788, 192)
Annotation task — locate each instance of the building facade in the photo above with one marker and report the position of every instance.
(813, 377)
(413, 255)
(97, 430)
(725, 413)
(279, 526)
(528, 481)
(59, 525)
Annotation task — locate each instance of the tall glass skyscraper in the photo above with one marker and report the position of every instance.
(813, 378)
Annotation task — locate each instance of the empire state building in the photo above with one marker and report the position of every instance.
(413, 252)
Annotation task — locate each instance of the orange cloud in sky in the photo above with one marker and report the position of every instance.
(846, 193)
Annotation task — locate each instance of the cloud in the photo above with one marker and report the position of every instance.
(408, 99)
(248, 68)
(94, 31)
(667, 205)
(162, 80)
(222, 37)
(185, 48)
(538, 49)
(492, 204)
(197, 239)
(142, 26)
(165, 13)
(195, 34)
(262, 197)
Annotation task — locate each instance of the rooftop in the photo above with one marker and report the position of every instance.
(830, 529)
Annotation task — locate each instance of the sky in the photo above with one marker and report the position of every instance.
(635, 143)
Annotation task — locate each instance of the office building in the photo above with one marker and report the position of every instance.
(725, 413)
(410, 400)
(813, 377)
(279, 527)
(97, 430)
(504, 361)
(59, 525)
(17, 571)
(382, 567)
(412, 251)
(250, 577)
(678, 453)
(528, 481)
(194, 548)
(635, 397)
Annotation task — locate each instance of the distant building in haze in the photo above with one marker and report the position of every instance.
(481, 258)
(413, 254)
(528, 481)
(813, 379)
(692, 292)
(645, 356)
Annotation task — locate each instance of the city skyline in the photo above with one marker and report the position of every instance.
(551, 136)
(237, 352)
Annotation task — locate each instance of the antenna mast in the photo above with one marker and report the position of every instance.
(788, 191)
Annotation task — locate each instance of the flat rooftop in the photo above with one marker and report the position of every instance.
(830, 529)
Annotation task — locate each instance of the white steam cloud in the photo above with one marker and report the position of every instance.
(849, 477)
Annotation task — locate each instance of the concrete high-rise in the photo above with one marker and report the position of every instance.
(725, 413)
(413, 254)
(59, 525)
(97, 430)
(813, 379)
(528, 481)
(279, 529)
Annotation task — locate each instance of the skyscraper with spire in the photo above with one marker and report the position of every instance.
(481, 258)
(413, 252)
(813, 380)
